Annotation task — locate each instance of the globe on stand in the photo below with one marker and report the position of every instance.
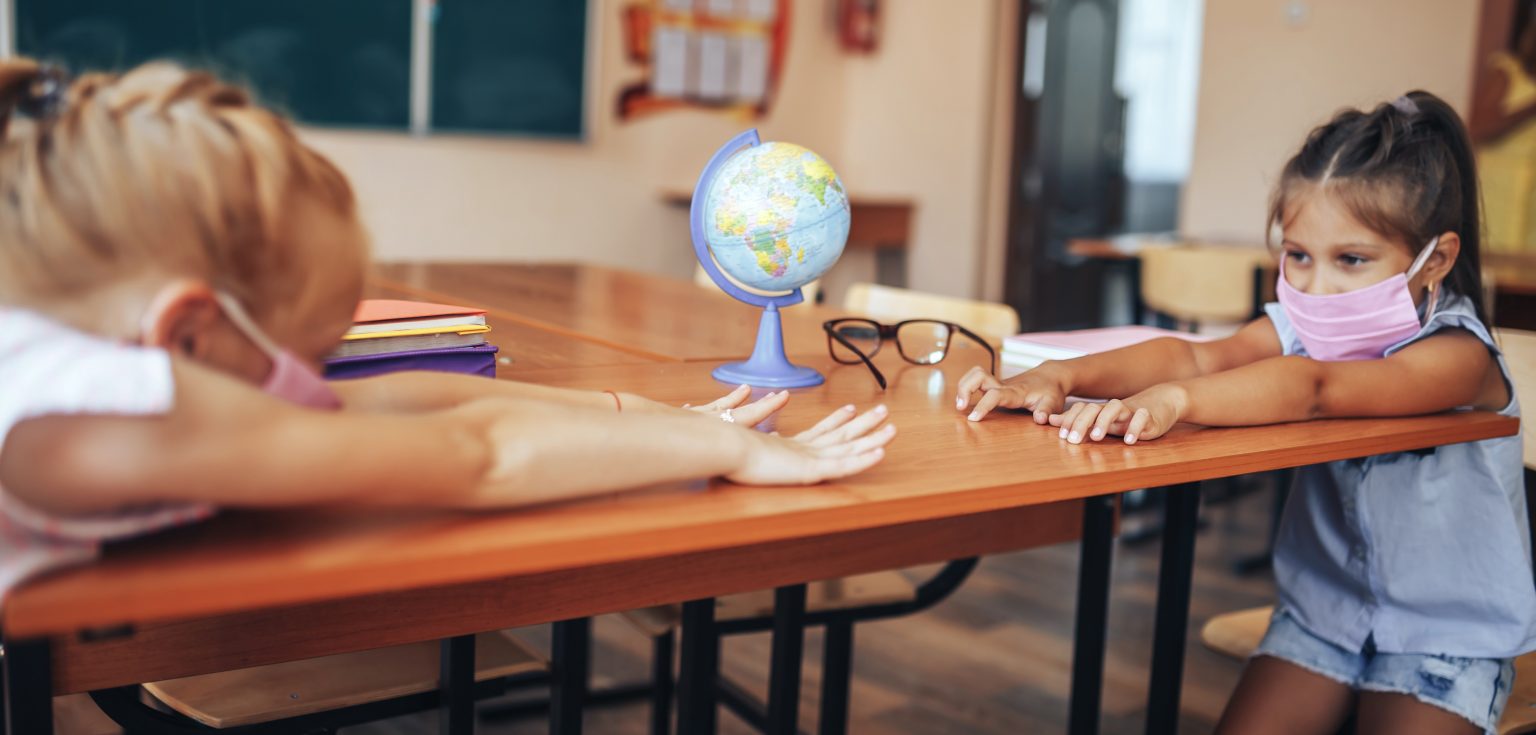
(775, 217)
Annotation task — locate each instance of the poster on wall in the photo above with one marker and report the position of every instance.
(713, 54)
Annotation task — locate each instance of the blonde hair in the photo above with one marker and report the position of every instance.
(158, 170)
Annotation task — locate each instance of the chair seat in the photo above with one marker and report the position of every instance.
(1237, 634)
(862, 590)
(280, 691)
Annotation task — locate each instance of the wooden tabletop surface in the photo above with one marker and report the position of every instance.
(645, 315)
(524, 347)
(940, 466)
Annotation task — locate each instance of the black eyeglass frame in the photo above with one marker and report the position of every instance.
(888, 332)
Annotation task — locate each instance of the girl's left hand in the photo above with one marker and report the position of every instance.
(746, 414)
(1142, 417)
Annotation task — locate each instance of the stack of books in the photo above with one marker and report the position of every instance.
(1025, 351)
(389, 335)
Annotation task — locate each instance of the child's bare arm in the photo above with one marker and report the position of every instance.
(431, 391)
(230, 444)
(1121, 372)
(1449, 370)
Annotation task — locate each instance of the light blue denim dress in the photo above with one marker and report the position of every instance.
(1424, 554)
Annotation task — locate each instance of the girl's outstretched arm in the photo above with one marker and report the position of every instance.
(227, 443)
(1121, 372)
(1449, 370)
(431, 391)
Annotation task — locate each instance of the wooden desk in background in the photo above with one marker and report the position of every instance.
(249, 588)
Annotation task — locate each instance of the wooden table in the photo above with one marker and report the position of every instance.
(524, 347)
(648, 316)
(249, 588)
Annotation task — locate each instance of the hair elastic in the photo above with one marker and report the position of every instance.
(1406, 105)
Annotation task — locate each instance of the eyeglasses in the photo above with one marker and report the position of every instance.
(920, 341)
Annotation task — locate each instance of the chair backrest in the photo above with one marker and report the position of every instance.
(1520, 353)
(1201, 283)
(888, 303)
(811, 291)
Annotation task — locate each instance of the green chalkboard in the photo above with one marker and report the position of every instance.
(509, 65)
(331, 62)
(505, 66)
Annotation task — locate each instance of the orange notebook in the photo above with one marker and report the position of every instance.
(388, 310)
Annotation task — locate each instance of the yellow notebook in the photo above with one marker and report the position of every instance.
(453, 329)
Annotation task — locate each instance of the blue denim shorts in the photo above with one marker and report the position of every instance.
(1472, 688)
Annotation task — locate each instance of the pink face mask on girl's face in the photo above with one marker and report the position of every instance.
(1357, 325)
(291, 378)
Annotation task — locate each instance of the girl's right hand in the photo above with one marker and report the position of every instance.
(842, 444)
(1040, 390)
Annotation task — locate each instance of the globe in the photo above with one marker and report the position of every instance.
(776, 216)
(766, 219)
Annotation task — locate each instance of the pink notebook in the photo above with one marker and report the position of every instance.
(1037, 347)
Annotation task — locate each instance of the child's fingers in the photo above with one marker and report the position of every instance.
(974, 380)
(989, 401)
(730, 400)
(855, 428)
(1112, 413)
(1064, 419)
(1138, 425)
(1078, 429)
(1043, 404)
(868, 442)
(832, 421)
(759, 410)
(835, 467)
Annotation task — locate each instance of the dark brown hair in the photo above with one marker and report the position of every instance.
(1405, 170)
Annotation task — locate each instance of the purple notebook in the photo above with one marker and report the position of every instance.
(477, 360)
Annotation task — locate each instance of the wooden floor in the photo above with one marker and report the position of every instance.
(994, 658)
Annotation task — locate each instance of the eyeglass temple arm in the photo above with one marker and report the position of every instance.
(880, 378)
(985, 345)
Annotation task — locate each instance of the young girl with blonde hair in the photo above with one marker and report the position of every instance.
(174, 265)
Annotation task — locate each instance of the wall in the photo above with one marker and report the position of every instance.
(1265, 83)
(912, 120)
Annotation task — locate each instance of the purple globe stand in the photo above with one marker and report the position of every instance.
(767, 367)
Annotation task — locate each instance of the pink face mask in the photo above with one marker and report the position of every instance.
(291, 378)
(1359, 324)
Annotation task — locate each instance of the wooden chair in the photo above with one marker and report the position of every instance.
(1237, 634)
(318, 695)
(1201, 284)
(889, 303)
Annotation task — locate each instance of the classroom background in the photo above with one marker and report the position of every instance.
(1085, 162)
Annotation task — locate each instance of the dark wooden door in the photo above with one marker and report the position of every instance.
(1068, 159)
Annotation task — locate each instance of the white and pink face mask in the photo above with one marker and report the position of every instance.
(1359, 324)
(291, 378)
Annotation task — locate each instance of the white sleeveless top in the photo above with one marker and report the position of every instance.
(47, 368)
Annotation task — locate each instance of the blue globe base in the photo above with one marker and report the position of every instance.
(787, 375)
(768, 367)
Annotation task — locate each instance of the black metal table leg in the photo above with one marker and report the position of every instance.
(836, 676)
(663, 649)
(28, 687)
(456, 685)
(788, 652)
(1170, 630)
(1092, 615)
(700, 669)
(571, 649)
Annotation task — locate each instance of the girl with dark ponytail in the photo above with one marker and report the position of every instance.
(1403, 579)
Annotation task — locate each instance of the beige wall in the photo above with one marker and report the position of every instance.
(1265, 83)
(911, 121)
